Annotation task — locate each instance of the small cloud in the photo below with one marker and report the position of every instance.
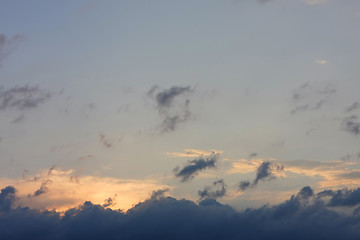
(351, 124)
(217, 190)
(315, 2)
(320, 61)
(194, 166)
(352, 107)
(18, 119)
(194, 153)
(106, 142)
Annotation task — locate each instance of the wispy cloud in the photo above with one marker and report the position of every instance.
(194, 153)
(315, 2)
(172, 114)
(22, 97)
(8, 45)
(321, 61)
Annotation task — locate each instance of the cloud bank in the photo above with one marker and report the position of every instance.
(305, 215)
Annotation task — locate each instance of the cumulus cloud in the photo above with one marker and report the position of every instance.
(8, 45)
(172, 114)
(217, 190)
(264, 172)
(193, 167)
(304, 215)
(22, 97)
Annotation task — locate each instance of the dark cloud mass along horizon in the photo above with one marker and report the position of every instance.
(304, 215)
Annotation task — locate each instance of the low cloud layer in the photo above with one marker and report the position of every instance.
(305, 215)
(193, 167)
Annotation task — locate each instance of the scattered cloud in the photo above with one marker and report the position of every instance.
(172, 114)
(310, 97)
(217, 190)
(22, 97)
(8, 45)
(193, 167)
(194, 153)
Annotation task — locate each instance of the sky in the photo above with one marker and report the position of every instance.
(239, 109)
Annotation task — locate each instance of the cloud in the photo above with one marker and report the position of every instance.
(7, 198)
(193, 167)
(263, 172)
(303, 216)
(8, 45)
(106, 142)
(172, 114)
(315, 2)
(63, 192)
(194, 153)
(22, 97)
(321, 61)
(351, 125)
(352, 107)
(18, 119)
(310, 97)
(217, 190)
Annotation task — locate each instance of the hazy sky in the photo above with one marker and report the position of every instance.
(244, 101)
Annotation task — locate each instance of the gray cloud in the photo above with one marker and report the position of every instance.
(7, 198)
(194, 166)
(263, 172)
(18, 119)
(303, 216)
(22, 98)
(351, 125)
(45, 181)
(8, 45)
(252, 155)
(218, 189)
(172, 115)
(352, 107)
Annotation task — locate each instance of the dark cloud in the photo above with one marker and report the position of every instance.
(172, 114)
(344, 197)
(193, 167)
(264, 172)
(7, 198)
(352, 107)
(22, 98)
(303, 216)
(217, 190)
(8, 45)
(351, 124)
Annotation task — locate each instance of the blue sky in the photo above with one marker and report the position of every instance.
(252, 81)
